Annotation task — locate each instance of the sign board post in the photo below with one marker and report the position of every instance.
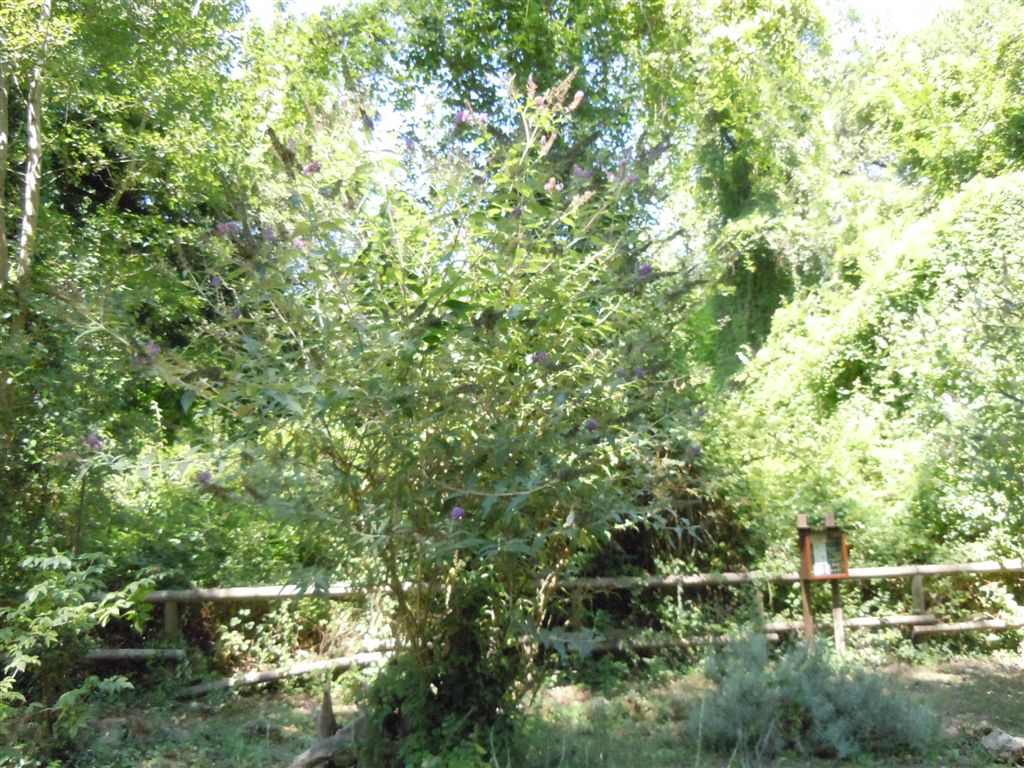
(824, 556)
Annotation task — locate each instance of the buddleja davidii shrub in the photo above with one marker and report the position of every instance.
(458, 357)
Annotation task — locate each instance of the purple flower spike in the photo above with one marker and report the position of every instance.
(582, 173)
(312, 168)
(632, 178)
(151, 349)
(462, 117)
(228, 228)
(645, 270)
(204, 477)
(93, 442)
(458, 513)
(590, 425)
(539, 358)
(215, 282)
(553, 185)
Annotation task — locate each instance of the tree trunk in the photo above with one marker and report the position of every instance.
(33, 169)
(4, 144)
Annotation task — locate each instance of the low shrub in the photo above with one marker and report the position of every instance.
(804, 701)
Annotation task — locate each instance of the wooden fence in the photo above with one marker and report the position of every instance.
(921, 623)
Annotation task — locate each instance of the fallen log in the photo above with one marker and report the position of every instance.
(279, 673)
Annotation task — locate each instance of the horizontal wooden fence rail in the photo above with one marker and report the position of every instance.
(279, 592)
(756, 577)
(343, 590)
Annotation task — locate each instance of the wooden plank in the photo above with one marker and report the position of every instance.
(279, 673)
(917, 594)
(904, 571)
(860, 622)
(342, 590)
(275, 592)
(838, 625)
(876, 622)
(808, 608)
(990, 625)
(678, 580)
(172, 621)
(621, 641)
(135, 654)
(747, 577)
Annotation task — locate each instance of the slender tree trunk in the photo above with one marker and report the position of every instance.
(4, 143)
(33, 168)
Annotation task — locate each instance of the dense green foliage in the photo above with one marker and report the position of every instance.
(461, 299)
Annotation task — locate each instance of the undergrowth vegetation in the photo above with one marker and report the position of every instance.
(805, 701)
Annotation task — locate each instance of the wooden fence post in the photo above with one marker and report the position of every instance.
(172, 621)
(575, 608)
(759, 606)
(805, 592)
(838, 627)
(917, 594)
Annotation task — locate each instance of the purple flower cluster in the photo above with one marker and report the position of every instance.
(466, 116)
(205, 477)
(216, 282)
(644, 270)
(553, 185)
(638, 373)
(152, 349)
(539, 358)
(583, 174)
(299, 243)
(590, 425)
(577, 99)
(93, 442)
(228, 228)
(312, 168)
(458, 513)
